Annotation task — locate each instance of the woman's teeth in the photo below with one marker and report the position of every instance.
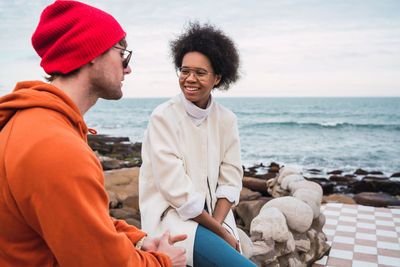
(191, 88)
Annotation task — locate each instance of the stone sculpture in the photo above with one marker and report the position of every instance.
(288, 229)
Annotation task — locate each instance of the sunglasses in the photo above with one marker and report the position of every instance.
(127, 56)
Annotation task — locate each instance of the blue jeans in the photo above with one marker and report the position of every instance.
(211, 250)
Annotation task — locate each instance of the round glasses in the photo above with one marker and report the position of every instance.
(127, 56)
(200, 74)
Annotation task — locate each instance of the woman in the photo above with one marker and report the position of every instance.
(192, 173)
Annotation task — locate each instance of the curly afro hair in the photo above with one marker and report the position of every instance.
(212, 43)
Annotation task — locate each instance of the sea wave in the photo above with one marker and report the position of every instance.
(330, 125)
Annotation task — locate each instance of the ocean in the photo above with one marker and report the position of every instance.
(307, 133)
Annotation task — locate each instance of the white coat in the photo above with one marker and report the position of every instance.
(187, 167)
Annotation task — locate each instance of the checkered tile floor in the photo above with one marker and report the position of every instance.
(361, 236)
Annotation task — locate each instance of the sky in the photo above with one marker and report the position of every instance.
(287, 48)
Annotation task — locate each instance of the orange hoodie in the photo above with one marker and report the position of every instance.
(53, 205)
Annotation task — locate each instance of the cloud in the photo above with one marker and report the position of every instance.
(287, 47)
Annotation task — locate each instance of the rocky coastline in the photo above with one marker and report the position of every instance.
(371, 188)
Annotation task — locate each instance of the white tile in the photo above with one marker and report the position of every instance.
(347, 219)
(365, 249)
(331, 222)
(396, 220)
(329, 232)
(385, 223)
(395, 211)
(345, 228)
(386, 233)
(341, 254)
(329, 243)
(398, 229)
(336, 205)
(331, 213)
(322, 261)
(343, 239)
(365, 208)
(387, 245)
(363, 264)
(346, 210)
(366, 225)
(366, 216)
(366, 236)
(390, 261)
(383, 214)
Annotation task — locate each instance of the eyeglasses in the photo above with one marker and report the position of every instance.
(127, 54)
(200, 74)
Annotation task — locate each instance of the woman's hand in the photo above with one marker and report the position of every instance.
(231, 241)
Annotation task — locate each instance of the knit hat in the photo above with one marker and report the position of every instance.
(70, 34)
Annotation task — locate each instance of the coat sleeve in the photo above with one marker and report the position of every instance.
(162, 145)
(230, 171)
(60, 193)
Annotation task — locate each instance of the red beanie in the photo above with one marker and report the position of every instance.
(70, 34)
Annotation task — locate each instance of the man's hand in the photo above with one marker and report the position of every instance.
(152, 243)
(176, 254)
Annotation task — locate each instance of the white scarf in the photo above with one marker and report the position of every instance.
(196, 114)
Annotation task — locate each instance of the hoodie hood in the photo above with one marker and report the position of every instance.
(34, 94)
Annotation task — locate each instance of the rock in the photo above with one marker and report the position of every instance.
(247, 210)
(270, 223)
(274, 189)
(284, 248)
(304, 185)
(376, 185)
(114, 201)
(319, 222)
(337, 178)
(374, 178)
(327, 188)
(255, 184)
(292, 178)
(123, 182)
(291, 260)
(291, 223)
(267, 176)
(376, 173)
(116, 147)
(283, 172)
(376, 199)
(109, 163)
(360, 172)
(396, 174)
(302, 244)
(314, 171)
(247, 194)
(263, 253)
(125, 213)
(338, 199)
(131, 202)
(299, 215)
(245, 244)
(274, 167)
(336, 172)
(310, 197)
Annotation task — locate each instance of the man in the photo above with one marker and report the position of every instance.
(53, 205)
